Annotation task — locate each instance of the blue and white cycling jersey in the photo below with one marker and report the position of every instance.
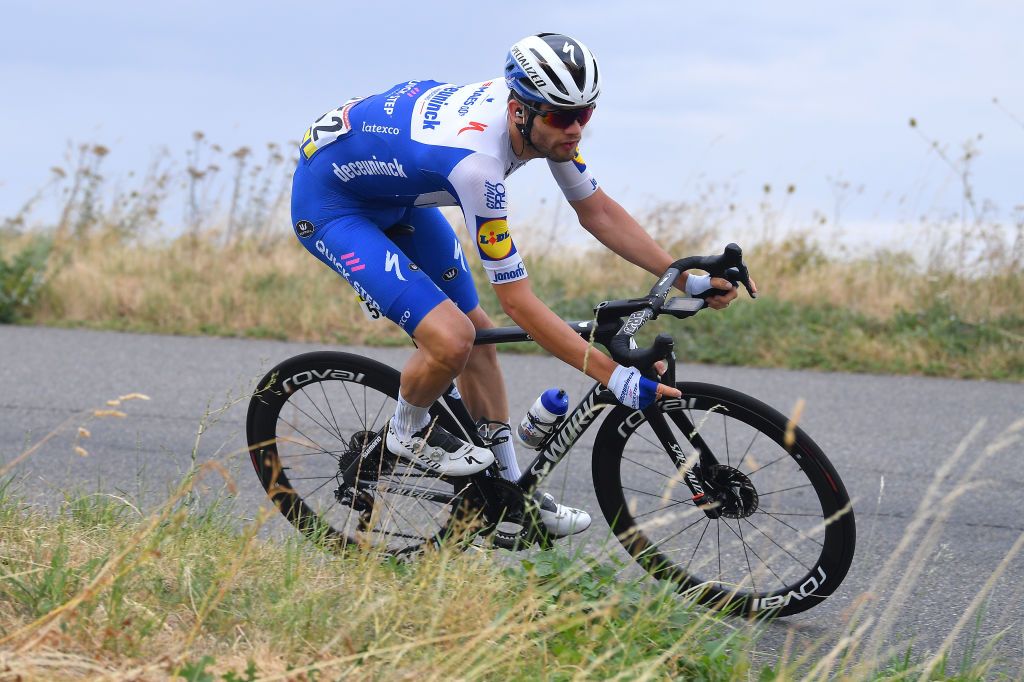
(422, 144)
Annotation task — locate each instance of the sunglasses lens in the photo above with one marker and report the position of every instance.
(563, 118)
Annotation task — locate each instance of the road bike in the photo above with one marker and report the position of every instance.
(715, 490)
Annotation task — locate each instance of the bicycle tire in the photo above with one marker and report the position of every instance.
(304, 419)
(793, 540)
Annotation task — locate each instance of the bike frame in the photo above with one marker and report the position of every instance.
(562, 439)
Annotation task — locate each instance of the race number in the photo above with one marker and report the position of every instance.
(327, 128)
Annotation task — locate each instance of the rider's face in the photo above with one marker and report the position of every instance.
(557, 144)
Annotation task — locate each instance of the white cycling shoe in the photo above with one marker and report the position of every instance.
(434, 449)
(559, 519)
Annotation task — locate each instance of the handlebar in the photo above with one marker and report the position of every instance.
(728, 265)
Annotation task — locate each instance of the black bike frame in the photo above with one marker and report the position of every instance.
(558, 444)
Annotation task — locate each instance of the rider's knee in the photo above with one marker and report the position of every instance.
(450, 345)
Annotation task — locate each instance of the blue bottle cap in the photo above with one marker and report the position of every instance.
(555, 401)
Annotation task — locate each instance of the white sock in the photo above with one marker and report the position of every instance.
(505, 453)
(409, 418)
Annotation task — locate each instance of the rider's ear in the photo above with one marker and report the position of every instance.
(519, 113)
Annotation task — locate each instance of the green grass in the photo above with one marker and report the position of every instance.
(189, 588)
(184, 592)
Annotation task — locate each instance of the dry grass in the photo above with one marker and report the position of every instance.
(103, 590)
(950, 304)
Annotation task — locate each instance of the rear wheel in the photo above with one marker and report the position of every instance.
(781, 535)
(310, 418)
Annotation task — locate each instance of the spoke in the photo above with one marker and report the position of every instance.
(747, 451)
(693, 422)
(324, 512)
(659, 543)
(775, 513)
(307, 443)
(795, 530)
(772, 540)
(718, 534)
(653, 511)
(752, 551)
(655, 547)
(334, 454)
(433, 515)
(362, 418)
(784, 456)
(660, 497)
(306, 496)
(373, 426)
(656, 446)
(330, 409)
(336, 431)
(746, 556)
(783, 490)
(644, 466)
(312, 402)
(702, 534)
(300, 432)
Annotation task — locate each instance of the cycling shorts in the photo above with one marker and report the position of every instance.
(402, 274)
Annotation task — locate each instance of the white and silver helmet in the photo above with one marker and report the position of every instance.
(553, 68)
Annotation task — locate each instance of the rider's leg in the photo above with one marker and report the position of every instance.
(444, 340)
(482, 386)
(481, 383)
(354, 245)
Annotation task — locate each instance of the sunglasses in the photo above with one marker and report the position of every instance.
(562, 118)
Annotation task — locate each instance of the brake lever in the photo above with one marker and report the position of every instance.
(735, 275)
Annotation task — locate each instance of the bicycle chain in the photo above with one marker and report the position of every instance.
(499, 502)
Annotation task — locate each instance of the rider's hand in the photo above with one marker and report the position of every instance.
(636, 391)
(723, 300)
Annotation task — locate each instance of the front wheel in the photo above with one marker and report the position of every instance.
(774, 532)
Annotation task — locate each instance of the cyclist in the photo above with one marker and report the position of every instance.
(370, 177)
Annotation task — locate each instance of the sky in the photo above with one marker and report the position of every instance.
(730, 96)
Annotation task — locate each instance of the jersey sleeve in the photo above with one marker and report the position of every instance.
(479, 184)
(574, 178)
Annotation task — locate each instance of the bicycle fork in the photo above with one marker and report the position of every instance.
(694, 469)
(691, 468)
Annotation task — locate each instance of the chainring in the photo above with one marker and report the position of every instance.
(501, 507)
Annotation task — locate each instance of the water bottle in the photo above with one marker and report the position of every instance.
(546, 412)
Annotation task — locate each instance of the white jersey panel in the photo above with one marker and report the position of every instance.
(573, 178)
(479, 182)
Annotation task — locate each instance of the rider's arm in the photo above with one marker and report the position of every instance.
(554, 335)
(614, 227)
(551, 332)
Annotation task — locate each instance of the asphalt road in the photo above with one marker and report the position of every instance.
(889, 437)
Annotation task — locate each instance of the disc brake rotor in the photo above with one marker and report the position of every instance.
(732, 490)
